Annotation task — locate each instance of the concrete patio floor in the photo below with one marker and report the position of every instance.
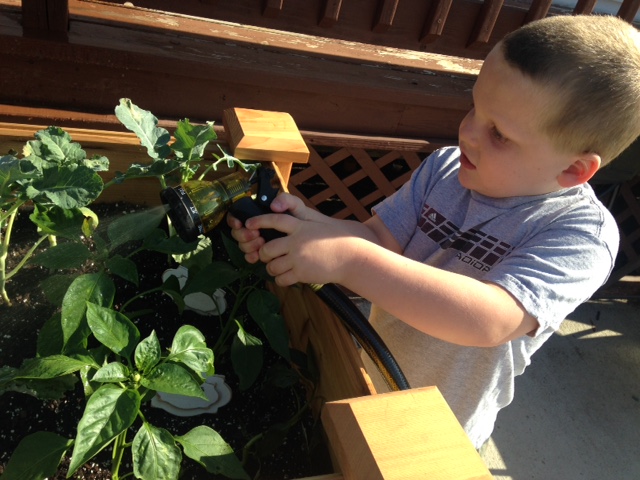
(576, 413)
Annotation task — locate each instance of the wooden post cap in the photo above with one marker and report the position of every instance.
(264, 136)
(408, 435)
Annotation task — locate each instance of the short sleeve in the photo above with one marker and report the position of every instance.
(558, 270)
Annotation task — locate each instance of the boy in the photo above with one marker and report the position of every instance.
(474, 263)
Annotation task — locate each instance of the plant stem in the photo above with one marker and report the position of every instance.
(4, 251)
(132, 299)
(118, 453)
(26, 257)
(229, 328)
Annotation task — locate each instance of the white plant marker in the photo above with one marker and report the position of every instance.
(198, 302)
(214, 387)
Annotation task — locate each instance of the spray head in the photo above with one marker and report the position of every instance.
(198, 206)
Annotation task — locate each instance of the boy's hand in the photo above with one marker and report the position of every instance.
(248, 240)
(308, 253)
(248, 236)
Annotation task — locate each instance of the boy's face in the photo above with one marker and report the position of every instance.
(504, 153)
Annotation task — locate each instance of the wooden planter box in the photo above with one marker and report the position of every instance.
(410, 435)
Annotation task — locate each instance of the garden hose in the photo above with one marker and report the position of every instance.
(364, 333)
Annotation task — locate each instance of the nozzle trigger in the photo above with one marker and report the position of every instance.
(245, 208)
(266, 191)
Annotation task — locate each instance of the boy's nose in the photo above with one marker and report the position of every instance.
(466, 131)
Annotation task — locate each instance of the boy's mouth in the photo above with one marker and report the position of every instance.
(465, 163)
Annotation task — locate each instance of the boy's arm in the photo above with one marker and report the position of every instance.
(366, 258)
(446, 305)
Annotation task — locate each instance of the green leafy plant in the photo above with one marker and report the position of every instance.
(178, 161)
(119, 372)
(93, 341)
(55, 175)
(138, 371)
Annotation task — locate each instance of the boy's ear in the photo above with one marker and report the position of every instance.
(580, 171)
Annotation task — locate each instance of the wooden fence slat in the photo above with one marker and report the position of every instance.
(537, 10)
(273, 8)
(386, 15)
(485, 23)
(437, 17)
(584, 7)
(629, 9)
(331, 13)
(46, 18)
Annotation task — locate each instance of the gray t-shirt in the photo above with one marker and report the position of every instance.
(551, 252)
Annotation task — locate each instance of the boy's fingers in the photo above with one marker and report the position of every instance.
(277, 221)
(250, 245)
(285, 202)
(252, 257)
(233, 222)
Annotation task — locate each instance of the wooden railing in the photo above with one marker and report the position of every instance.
(463, 28)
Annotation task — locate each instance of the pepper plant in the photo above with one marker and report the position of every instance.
(183, 159)
(119, 375)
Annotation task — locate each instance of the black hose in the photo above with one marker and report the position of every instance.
(364, 333)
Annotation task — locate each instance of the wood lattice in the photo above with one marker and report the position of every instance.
(346, 181)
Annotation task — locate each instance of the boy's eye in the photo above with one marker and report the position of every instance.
(495, 133)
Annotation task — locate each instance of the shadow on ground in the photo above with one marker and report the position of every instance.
(576, 413)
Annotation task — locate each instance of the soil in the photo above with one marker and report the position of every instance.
(302, 454)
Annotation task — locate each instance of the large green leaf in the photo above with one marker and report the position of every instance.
(96, 288)
(123, 268)
(50, 337)
(110, 411)
(208, 448)
(192, 140)
(246, 357)
(145, 125)
(189, 347)
(11, 170)
(54, 146)
(66, 187)
(155, 454)
(49, 367)
(264, 308)
(113, 329)
(158, 168)
(39, 380)
(69, 223)
(36, 457)
(47, 389)
(172, 378)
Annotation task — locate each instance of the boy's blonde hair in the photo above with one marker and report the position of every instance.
(593, 62)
